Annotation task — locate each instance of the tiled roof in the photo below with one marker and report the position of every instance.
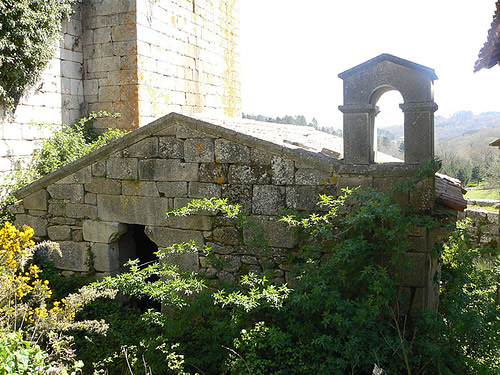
(489, 55)
(449, 192)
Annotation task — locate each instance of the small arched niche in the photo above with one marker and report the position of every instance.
(388, 147)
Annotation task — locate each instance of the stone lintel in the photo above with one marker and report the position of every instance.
(102, 231)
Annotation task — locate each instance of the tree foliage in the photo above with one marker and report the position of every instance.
(28, 32)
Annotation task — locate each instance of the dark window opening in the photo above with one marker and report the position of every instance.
(135, 244)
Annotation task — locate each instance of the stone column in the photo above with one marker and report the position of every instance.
(418, 131)
(359, 123)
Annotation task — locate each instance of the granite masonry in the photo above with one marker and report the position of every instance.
(110, 205)
(140, 58)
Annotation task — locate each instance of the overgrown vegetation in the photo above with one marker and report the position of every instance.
(30, 29)
(343, 314)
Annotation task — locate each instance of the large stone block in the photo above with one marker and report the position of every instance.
(81, 176)
(36, 201)
(422, 196)
(173, 189)
(104, 186)
(268, 199)
(231, 152)
(106, 257)
(80, 211)
(167, 170)
(122, 168)
(146, 148)
(238, 194)
(192, 222)
(59, 232)
(204, 190)
(187, 262)
(73, 193)
(165, 237)
(227, 235)
(417, 273)
(102, 231)
(260, 157)
(249, 174)
(213, 172)
(302, 197)
(283, 171)
(184, 132)
(144, 188)
(311, 176)
(199, 150)
(132, 209)
(351, 182)
(99, 168)
(91, 198)
(171, 148)
(74, 256)
(38, 224)
(267, 230)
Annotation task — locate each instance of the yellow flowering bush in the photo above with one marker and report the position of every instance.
(25, 298)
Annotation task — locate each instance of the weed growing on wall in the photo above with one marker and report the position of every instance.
(67, 143)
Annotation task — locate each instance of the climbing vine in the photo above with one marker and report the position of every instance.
(28, 32)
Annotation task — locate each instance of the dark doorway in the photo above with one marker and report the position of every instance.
(135, 244)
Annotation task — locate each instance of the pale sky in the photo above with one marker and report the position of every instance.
(292, 51)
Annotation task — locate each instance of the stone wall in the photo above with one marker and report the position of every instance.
(484, 228)
(188, 58)
(141, 58)
(90, 205)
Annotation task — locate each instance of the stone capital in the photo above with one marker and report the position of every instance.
(359, 108)
(419, 107)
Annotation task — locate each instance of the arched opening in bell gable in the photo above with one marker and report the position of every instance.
(388, 133)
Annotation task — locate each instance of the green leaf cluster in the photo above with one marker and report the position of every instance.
(19, 357)
(66, 144)
(28, 34)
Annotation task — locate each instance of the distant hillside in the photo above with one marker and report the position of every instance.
(459, 124)
(473, 146)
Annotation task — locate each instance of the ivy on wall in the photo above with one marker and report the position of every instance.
(28, 32)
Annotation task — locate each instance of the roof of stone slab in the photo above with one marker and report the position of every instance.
(300, 143)
(391, 58)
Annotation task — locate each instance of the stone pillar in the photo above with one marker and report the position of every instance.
(418, 131)
(359, 140)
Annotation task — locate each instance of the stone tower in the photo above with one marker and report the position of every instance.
(141, 58)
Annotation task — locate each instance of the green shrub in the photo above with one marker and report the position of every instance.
(66, 144)
(19, 357)
(343, 315)
(468, 307)
(30, 29)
